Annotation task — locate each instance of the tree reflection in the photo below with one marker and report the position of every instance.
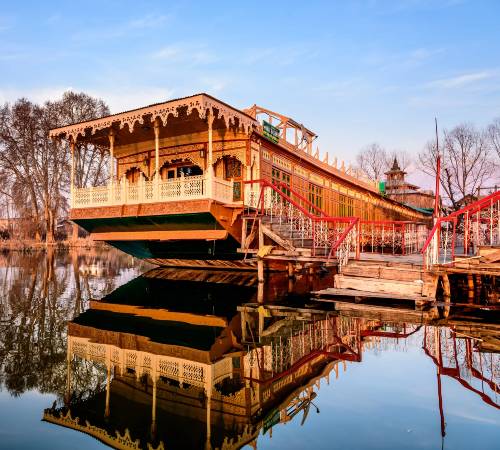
(40, 294)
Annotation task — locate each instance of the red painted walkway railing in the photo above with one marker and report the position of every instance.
(305, 222)
(462, 232)
(342, 237)
(392, 237)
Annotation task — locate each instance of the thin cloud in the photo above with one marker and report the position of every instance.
(123, 29)
(461, 80)
(342, 88)
(282, 56)
(148, 21)
(406, 60)
(190, 54)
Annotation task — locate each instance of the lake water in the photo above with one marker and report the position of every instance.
(94, 354)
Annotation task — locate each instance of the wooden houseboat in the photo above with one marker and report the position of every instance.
(182, 172)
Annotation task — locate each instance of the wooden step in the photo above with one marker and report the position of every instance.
(338, 292)
(379, 285)
(385, 272)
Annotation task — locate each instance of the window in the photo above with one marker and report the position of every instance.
(232, 168)
(346, 206)
(279, 176)
(315, 195)
(189, 171)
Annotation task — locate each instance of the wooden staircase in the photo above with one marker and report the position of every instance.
(292, 241)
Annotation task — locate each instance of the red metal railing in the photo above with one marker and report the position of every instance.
(392, 236)
(459, 358)
(339, 236)
(463, 231)
(305, 222)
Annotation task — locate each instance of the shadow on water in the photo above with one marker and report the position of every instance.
(205, 359)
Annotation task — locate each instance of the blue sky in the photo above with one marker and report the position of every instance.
(355, 72)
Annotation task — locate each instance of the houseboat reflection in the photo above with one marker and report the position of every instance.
(217, 369)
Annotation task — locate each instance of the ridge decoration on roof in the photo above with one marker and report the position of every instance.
(203, 103)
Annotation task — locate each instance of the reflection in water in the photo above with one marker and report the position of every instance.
(189, 359)
(39, 294)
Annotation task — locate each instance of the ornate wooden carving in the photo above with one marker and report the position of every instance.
(201, 102)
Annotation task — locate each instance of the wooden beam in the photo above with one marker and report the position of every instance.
(160, 314)
(159, 235)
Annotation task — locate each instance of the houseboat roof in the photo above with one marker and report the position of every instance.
(201, 102)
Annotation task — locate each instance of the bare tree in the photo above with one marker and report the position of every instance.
(493, 131)
(372, 161)
(466, 162)
(91, 161)
(35, 169)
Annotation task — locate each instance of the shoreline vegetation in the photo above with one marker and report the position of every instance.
(31, 245)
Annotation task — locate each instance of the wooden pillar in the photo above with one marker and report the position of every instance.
(68, 375)
(208, 389)
(478, 286)
(470, 286)
(111, 155)
(260, 270)
(153, 409)
(244, 227)
(260, 291)
(108, 389)
(210, 155)
(446, 286)
(244, 324)
(72, 180)
(290, 270)
(157, 147)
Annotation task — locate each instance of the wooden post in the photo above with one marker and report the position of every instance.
(244, 227)
(68, 374)
(358, 239)
(446, 287)
(208, 390)
(156, 191)
(260, 290)
(108, 388)
(153, 408)
(111, 165)
(470, 285)
(290, 270)
(72, 181)
(111, 154)
(157, 146)
(478, 286)
(210, 170)
(260, 270)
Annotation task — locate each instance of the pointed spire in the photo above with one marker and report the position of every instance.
(395, 165)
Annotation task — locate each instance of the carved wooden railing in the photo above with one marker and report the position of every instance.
(463, 232)
(179, 369)
(326, 236)
(152, 191)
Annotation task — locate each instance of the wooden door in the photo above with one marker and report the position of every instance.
(233, 170)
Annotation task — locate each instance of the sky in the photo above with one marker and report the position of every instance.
(355, 72)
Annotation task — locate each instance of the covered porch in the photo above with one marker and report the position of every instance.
(195, 148)
(141, 190)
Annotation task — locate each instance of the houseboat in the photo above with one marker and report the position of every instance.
(183, 173)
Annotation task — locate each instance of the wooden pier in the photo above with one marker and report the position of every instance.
(395, 278)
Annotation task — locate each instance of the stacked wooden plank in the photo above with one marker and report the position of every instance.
(362, 279)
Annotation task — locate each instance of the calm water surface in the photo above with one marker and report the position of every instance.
(98, 350)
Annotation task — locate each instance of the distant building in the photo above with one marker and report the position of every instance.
(397, 188)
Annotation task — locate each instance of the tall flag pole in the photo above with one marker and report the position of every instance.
(438, 173)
